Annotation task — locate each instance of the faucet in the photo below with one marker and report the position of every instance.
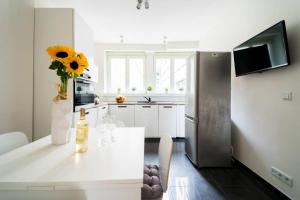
(148, 99)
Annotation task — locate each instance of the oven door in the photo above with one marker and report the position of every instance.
(84, 93)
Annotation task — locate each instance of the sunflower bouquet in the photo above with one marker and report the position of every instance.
(67, 64)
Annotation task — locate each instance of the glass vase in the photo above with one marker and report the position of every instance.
(62, 110)
(63, 89)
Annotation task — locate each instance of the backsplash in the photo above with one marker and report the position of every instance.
(140, 97)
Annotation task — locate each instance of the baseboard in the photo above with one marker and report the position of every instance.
(272, 191)
(177, 139)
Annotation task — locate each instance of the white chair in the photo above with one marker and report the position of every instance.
(154, 187)
(11, 141)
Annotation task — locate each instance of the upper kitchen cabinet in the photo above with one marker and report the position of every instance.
(84, 42)
(55, 26)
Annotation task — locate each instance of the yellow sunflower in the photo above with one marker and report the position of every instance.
(76, 64)
(60, 53)
(83, 60)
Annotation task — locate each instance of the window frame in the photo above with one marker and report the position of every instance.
(172, 57)
(127, 56)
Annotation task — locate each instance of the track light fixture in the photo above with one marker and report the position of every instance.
(146, 4)
(140, 2)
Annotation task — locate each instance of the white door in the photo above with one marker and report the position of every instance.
(147, 116)
(123, 113)
(167, 120)
(180, 121)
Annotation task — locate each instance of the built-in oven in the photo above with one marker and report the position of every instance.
(84, 94)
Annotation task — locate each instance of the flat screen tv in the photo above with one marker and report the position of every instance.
(265, 51)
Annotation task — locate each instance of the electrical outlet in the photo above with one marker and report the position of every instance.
(288, 96)
(282, 176)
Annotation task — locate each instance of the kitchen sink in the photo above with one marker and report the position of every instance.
(146, 102)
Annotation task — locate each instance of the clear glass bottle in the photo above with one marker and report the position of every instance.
(82, 132)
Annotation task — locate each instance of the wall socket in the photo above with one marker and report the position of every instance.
(282, 176)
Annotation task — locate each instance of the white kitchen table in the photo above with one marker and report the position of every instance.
(41, 170)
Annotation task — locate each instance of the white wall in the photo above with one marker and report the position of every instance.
(266, 129)
(16, 64)
(83, 38)
(48, 32)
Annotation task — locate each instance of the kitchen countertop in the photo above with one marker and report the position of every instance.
(154, 103)
(90, 106)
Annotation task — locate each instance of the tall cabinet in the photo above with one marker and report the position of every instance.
(54, 26)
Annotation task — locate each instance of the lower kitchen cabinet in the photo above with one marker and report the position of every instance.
(102, 111)
(147, 116)
(167, 120)
(123, 113)
(157, 119)
(91, 117)
(180, 121)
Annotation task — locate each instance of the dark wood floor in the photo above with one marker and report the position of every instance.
(188, 183)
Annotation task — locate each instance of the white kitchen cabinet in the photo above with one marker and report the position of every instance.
(76, 117)
(55, 26)
(147, 116)
(180, 121)
(124, 113)
(91, 117)
(102, 112)
(167, 120)
(92, 72)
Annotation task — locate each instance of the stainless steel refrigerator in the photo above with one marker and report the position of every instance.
(207, 111)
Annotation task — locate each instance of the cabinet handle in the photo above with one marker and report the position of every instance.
(146, 106)
(103, 108)
(168, 106)
(87, 113)
(122, 106)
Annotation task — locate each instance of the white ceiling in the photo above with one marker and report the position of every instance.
(179, 20)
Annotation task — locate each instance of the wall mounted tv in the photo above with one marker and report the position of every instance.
(265, 51)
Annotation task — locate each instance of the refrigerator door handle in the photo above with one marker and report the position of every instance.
(191, 119)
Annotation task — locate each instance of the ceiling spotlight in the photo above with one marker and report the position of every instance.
(146, 4)
(139, 4)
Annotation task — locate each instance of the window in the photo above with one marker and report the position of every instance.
(125, 73)
(163, 78)
(128, 72)
(170, 73)
(180, 74)
(118, 74)
(136, 74)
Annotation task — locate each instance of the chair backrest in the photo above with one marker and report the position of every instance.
(165, 154)
(11, 141)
